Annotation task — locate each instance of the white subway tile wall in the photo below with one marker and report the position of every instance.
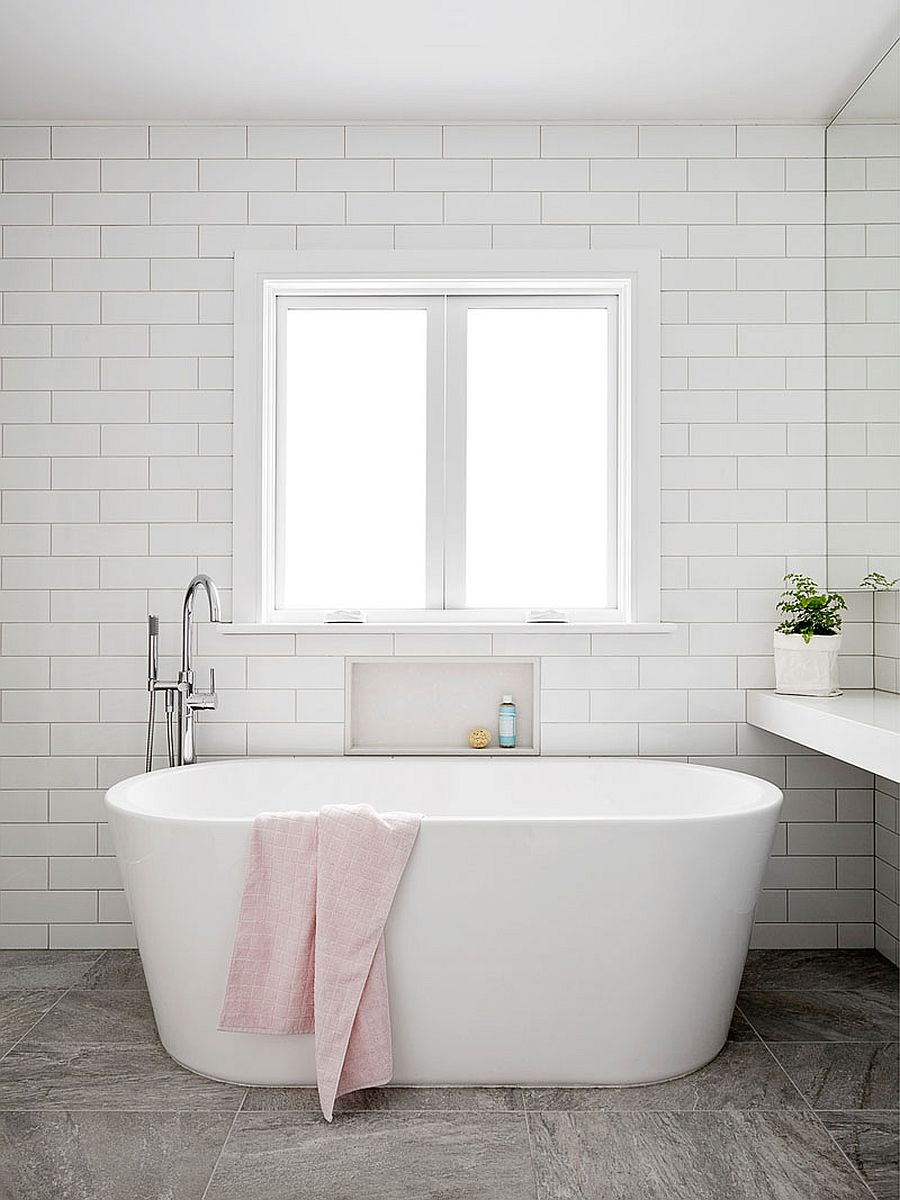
(887, 641)
(887, 868)
(116, 280)
(863, 359)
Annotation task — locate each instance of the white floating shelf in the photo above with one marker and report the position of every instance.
(861, 727)
(428, 706)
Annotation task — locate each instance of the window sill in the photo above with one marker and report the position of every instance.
(528, 628)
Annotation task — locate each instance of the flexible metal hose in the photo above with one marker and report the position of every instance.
(151, 723)
(170, 731)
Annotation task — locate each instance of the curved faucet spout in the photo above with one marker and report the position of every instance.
(197, 584)
(187, 699)
(182, 698)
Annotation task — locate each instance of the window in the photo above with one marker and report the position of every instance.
(451, 452)
(536, 412)
(351, 476)
(438, 449)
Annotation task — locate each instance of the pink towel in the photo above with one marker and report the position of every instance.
(309, 950)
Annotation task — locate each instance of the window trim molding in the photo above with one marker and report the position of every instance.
(262, 276)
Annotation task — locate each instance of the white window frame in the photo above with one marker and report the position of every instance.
(267, 283)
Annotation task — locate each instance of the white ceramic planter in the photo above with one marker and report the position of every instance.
(807, 668)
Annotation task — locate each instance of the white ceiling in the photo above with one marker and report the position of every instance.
(436, 59)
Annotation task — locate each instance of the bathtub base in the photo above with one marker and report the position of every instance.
(511, 1083)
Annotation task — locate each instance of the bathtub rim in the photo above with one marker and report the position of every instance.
(769, 795)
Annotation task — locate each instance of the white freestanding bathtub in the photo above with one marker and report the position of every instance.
(561, 921)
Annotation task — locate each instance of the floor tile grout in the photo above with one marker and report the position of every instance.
(310, 1116)
(155, 1112)
(860, 1112)
(740, 1011)
(103, 990)
(221, 1152)
(789, 1078)
(60, 1046)
(59, 998)
(831, 1041)
(846, 1157)
(532, 1157)
(817, 1118)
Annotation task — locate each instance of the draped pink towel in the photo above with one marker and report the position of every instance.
(309, 950)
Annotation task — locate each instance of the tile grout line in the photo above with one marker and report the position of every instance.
(129, 1108)
(310, 1117)
(222, 1149)
(781, 1066)
(842, 1042)
(531, 1155)
(812, 1111)
(58, 1000)
(845, 1156)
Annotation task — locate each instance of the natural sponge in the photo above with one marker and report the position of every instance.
(479, 738)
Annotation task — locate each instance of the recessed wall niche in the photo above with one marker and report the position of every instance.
(429, 705)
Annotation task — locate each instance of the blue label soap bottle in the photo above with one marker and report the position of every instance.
(507, 723)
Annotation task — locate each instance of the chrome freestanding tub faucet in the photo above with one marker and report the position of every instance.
(181, 699)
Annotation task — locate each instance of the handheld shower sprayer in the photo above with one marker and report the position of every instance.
(152, 677)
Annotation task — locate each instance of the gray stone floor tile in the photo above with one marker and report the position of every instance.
(118, 969)
(92, 1108)
(843, 1075)
(388, 1099)
(107, 1077)
(109, 1156)
(808, 1016)
(20, 1010)
(688, 1156)
(819, 970)
(44, 968)
(743, 1076)
(741, 1030)
(871, 1141)
(85, 1018)
(376, 1156)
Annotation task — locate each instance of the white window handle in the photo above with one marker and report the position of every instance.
(547, 616)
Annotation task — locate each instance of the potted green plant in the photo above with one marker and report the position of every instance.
(876, 582)
(808, 639)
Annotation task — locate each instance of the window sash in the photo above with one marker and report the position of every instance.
(434, 423)
(445, 551)
(458, 308)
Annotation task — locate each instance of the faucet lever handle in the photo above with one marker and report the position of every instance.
(204, 701)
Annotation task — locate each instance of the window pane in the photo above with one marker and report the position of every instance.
(353, 533)
(537, 461)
